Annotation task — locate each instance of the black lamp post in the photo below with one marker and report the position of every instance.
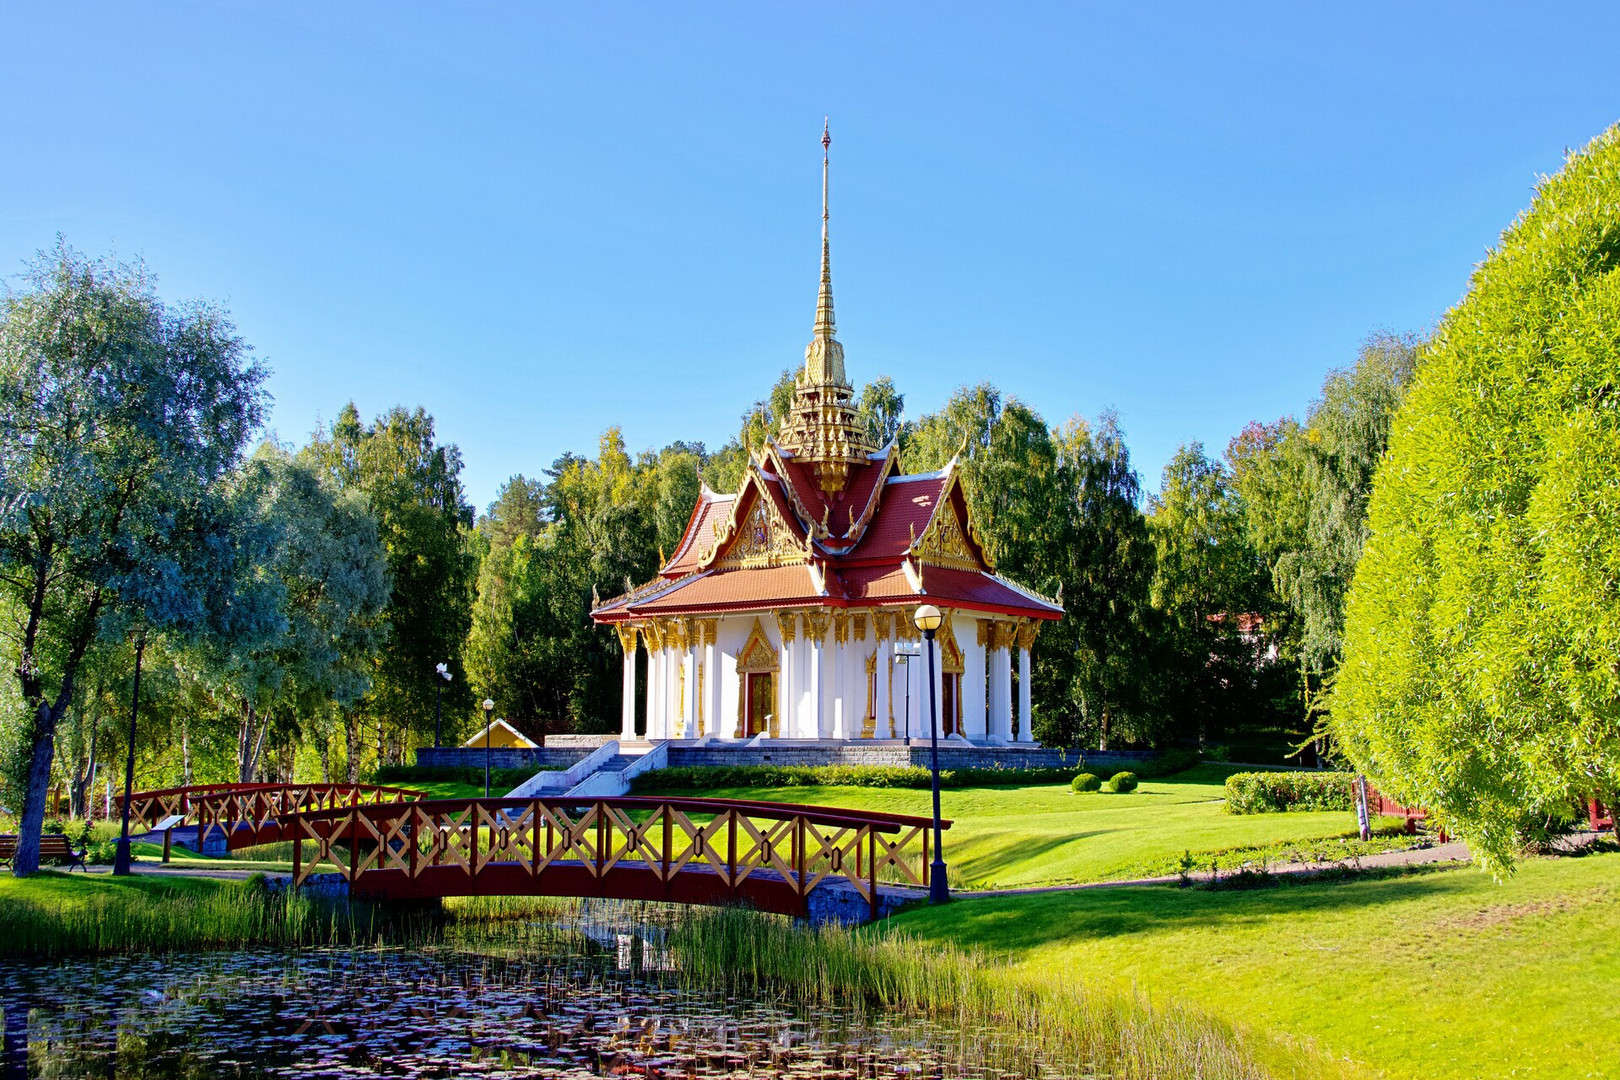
(443, 671)
(928, 620)
(489, 707)
(122, 860)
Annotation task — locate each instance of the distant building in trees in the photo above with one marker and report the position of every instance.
(786, 609)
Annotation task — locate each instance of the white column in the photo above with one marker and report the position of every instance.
(840, 689)
(1025, 735)
(880, 700)
(652, 690)
(666, 692)
(815, 676)
(1001, 699)
(627, 717)
(692, 659)
(794, 724)
(936, 706)
(973, 687)
(915, 666)
(713, 718)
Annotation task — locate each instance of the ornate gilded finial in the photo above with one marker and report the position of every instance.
(825, 327)
(821, 428)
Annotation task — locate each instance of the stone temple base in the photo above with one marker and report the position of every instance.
(953, 754)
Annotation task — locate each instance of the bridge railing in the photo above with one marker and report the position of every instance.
(260, 806)
(457, 846)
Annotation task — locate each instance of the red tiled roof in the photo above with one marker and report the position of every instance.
(851, 500)
(731, 589)
(711, 508)
(793, 586)
(906, 504)
(951, 588)
(869, 574)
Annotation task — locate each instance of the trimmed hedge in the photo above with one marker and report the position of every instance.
(1085, 782)
(1122, 783)
(875, 776)
(1278, 792)
(687, 777)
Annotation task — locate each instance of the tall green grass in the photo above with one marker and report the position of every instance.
(1073, 1028)
(231, 916)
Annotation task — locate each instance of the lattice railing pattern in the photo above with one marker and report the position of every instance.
(801, 846)
(258, 806)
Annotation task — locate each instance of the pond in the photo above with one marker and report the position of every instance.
(591, 996)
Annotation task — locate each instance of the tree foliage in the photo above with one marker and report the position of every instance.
(1479, 675)
(1210, 587)
(120, 417)
(412, 486)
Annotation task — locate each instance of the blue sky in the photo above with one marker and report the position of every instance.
(541, 220)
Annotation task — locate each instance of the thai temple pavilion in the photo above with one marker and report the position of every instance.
(786, 609)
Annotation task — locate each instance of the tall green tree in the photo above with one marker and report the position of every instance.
(119, 417)
(412, 486)
(1208, 583)
(1479, 675)
(880, 409)
(1096, 679)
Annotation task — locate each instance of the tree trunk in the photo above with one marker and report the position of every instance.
(351, 746)
(326, 759)
(26, 860)
(185, 751)
(252, 746)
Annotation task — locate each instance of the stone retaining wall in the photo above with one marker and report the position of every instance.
(895, 752)
(459, 757)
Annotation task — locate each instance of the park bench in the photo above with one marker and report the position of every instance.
(51, 846)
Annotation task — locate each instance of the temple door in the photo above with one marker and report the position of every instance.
(761, 700)
(950, 716)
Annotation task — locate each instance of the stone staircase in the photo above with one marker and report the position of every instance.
(606, 772)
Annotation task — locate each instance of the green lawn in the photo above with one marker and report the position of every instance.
(1437, 974)
(62, 890)
(1045, 834)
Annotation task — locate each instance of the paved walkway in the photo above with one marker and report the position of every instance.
(1453, 852)
(157, 869)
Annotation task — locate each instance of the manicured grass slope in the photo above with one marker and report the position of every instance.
(1439, 974)
(1046, 834)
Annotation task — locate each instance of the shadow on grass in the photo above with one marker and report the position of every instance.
(1017, 923)
(1007, 849)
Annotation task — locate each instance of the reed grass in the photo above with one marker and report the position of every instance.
(1078, 1030)
(188, 916)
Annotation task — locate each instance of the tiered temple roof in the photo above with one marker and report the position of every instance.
(825, 519)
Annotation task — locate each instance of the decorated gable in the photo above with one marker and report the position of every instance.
(755, 536)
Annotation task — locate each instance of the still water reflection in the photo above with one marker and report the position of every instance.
(594, 999)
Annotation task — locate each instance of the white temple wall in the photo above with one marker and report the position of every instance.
(732, 634)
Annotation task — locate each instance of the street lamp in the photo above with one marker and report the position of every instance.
(489, 707)
(122, 858)
(443, 671)
(928, 620)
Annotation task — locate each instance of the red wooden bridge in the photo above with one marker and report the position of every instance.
(694, 851)
(244, 815)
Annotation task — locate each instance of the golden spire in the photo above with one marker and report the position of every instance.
(824, 357)
(824, 303)
(821, 428)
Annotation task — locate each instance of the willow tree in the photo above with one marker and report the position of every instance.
(1479, 676)
(119, 418)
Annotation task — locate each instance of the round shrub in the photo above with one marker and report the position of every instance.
(1085, 782)
(1122, 782)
